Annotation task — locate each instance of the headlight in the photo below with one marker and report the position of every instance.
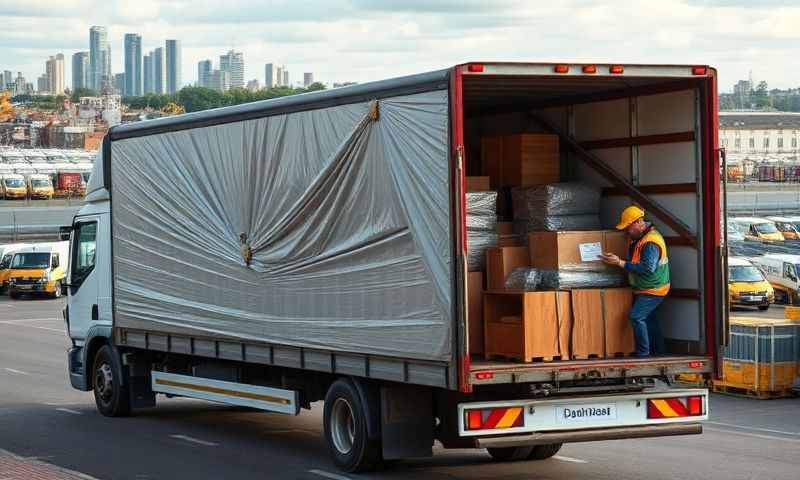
(12, 281)
(46, 276)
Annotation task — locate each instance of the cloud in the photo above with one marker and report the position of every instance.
(362, 40)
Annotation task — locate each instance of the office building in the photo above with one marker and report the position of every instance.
(54, 68)
(273, 75)
(253, 85)
(99, 57)
(159, 71)
(233, 63)
(148, 76)
(308, 79)
(173, 66)
(119, 82)
(42, 85)
(80, 70)
(220, 80)
(8, 78)
(204, 69)
(285, 77)
(133, 65)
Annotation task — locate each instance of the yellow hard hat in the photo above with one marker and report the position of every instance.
(629, 215)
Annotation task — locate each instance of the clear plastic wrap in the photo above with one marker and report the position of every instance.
(556, 223)
(555, 199)
(524, 279)
(477, 243)
(583, 277)
(481, 211)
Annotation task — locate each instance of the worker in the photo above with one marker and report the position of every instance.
(648, 275)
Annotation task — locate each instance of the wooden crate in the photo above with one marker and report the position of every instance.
(477, 184)
(759, 377)
(521, 160)
(522, 325)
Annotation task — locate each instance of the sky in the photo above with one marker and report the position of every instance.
(363, 40)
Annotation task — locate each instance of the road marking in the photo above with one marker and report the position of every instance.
(15, 371)
(569, 459)
(755, 429)
(69, 410)
(21, 323)
(194, 440)
(334, 476)
(754, 435)
(22, 320)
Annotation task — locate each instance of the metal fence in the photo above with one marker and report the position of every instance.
(34, 223)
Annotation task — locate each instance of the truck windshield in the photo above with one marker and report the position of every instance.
(14, 182)
(40, 183)
(765, 227)
(31, 260)
(745, 273)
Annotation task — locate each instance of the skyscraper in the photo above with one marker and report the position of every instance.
(55, 74)
(308, 79)
(233, 63)
(173, 60)
(42, 84)
(219, 80)
(159, 71)
(271, 75)
(133, 64)
(149, 77)
(119, 82)
(8, 78)
(285, 77)
(204, 73)
(99, 57)
(80, 70)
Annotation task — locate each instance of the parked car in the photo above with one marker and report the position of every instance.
(747, 285)
(788, 226)
(755, 228)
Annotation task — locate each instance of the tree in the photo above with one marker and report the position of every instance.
(315, 86)
(82, 92)
(195, 99)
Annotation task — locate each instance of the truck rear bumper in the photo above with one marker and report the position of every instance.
(591, 435)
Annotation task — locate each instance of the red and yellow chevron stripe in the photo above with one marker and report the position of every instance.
(667, 408)
(495, 418)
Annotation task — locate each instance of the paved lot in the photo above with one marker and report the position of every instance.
(774, 311)
(45, 425)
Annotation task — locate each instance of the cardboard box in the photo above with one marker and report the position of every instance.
(600, 325)
(475, 311)
(553, 250)
(521, 160)
(477, 184)
(501, 261)
(522, 326)
(505, 228)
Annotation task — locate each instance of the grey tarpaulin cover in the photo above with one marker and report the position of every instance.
(325, 228)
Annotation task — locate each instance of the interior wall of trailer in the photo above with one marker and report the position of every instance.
(678, 163)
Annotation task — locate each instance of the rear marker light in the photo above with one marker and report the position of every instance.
(696, 364)
(494, 418)
(695, 405)
(561, 68)
(484, 375)
(675, 407)
(475, 68)
(699, 70)
(616, 69)
(589, 69)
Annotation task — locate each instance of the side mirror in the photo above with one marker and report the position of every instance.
(64, 232)
(54, 263)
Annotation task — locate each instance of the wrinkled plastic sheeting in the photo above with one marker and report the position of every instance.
(326, 229)
(580, 276)
(477, 244)
(481, 227)
(527, 279)
(555, 199)
(555, 223)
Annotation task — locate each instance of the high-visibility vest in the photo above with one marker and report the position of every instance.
(656, 283)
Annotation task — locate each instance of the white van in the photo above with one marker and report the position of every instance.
(781, 271)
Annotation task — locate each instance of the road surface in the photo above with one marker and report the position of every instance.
(46, 426)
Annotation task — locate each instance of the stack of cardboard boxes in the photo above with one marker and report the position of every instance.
(551, 323)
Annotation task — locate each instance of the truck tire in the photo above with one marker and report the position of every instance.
(510, 454)
(110, 395)
(345, 421)
(541, 452)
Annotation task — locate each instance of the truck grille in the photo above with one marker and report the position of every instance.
(27, 281)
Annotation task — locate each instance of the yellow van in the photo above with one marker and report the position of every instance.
(39, 268)
(40, 186)
(14, 187)
(6, 254)
(758, 229)
(788, 226)
(747, 285)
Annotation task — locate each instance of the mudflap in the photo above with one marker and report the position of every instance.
(407, 424)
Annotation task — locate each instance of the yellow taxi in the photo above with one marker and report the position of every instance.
(747, 285)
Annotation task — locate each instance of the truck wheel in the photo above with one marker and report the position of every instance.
(345, 422)
(541, 452)
(110, 395)
(510, 454)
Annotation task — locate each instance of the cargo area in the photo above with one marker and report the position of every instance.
(537, 308)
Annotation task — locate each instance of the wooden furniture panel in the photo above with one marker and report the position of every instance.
(587, 324)
(619, 337)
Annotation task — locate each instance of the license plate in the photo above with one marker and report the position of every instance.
(754, 298)
(572, 414)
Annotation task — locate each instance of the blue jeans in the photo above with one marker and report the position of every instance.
(645, 328)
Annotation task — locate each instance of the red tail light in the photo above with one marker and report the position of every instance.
(589, 69)
(695, 405)
(561, 68)
(699, 70)
(474, 420)
(484, 375)
(616, 69)
(475, 67)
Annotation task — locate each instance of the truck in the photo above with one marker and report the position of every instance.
(781, 271)
(314, 247)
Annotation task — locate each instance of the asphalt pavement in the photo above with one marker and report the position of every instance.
(45, 424)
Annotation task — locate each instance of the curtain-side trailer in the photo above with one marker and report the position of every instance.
(313, 247)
